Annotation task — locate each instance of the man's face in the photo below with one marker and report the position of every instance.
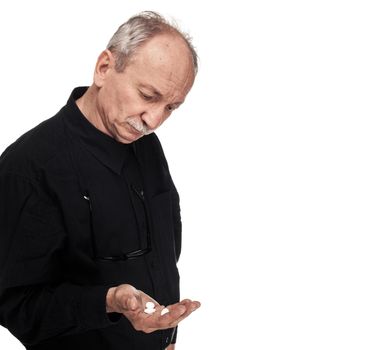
(138, 100)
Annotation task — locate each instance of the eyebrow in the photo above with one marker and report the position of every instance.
(152, 88)
(157, 93)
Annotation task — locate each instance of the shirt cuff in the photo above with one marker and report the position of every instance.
(174, 336)
(92, 308)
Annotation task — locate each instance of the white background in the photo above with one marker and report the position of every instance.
(275, 154)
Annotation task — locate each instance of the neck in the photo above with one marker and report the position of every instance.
(87, 105)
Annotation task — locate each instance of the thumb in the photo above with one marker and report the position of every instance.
(132, 303)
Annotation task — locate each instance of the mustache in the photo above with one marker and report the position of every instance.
(140, 127)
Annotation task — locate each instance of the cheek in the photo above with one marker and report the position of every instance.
(106, 100)
(120, 103)
(111, 105)
(125, 105)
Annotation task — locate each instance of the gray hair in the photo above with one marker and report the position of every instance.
(139, 29)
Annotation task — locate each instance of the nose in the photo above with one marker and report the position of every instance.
(153, 118)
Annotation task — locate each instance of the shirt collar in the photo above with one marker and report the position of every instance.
(106, 149)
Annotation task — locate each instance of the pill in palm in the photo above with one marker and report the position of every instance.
(164, 311)
(149, 305)
(149, 308)
(150, 311)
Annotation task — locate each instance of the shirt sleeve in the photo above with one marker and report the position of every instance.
(177, 223)
(36, 303)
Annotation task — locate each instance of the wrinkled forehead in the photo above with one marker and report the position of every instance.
(167, 59)
(166, 52)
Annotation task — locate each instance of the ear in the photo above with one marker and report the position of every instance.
(104, 65)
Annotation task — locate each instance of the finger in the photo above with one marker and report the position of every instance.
(174, 316)
(176, 311)
(185, 301)
(189, 301)
(195, 305)
(190, 308)
(190, 304)
(132, 304)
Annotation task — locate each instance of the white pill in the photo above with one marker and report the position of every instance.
(164, 311)
(150, 311)
(149, 305)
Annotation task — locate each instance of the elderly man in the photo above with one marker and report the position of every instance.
(90, 227)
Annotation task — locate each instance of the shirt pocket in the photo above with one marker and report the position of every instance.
(113, 225)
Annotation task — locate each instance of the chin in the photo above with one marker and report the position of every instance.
(129, 139)
(126, 142)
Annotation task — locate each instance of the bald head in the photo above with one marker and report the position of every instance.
(141, 28)
(168, 55)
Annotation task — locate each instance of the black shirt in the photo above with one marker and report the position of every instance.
(74, 203)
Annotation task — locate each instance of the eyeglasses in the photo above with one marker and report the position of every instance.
(139, 196)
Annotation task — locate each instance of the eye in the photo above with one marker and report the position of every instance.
(172, 107)
(146, 97)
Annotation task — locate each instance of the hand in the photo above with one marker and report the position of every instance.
(171, 347)
(130, 302)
